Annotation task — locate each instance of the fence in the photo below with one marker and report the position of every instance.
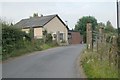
(107, 47)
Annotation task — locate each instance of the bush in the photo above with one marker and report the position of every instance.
(63, 41)
(49, 38)
(12, 38)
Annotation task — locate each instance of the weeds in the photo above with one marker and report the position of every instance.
(94, 67)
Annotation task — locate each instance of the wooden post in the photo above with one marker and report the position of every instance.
(101, 35)
(89, 36)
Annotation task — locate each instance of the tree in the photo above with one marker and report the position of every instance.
(101, 24)
(81, 25)
(109, 28)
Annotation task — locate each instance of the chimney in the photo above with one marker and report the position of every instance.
(35, 15)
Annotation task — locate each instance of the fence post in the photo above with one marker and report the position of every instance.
(101, 40)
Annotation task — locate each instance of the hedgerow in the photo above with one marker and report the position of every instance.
(12, 38)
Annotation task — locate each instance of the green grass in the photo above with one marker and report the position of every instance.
(95, 68)
(48, 45)
(45, 46)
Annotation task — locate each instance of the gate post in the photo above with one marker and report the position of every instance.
(89, 36)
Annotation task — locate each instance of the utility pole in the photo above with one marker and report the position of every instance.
(118, 39)
(118, 17)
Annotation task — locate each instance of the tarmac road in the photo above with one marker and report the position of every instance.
(56, 62)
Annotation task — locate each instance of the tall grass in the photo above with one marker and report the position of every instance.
(94, 67)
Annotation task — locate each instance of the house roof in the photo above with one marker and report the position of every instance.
(37, 21)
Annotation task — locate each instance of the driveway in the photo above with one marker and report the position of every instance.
(57, 62)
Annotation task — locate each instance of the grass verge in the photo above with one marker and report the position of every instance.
(95, 68)
(28, 48)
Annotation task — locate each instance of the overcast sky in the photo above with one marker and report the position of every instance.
(68, 10)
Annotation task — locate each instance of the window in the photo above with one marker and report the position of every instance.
(61, 36)
(69, 35)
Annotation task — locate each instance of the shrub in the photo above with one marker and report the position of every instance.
(12, 38)
(63, 41)
(48, 38)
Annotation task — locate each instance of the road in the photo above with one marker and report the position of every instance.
(52, 63)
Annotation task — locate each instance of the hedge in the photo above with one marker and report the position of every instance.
(12, 38)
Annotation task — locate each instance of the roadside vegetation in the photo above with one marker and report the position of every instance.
(94, 67)
(16, 42)
(100, 61)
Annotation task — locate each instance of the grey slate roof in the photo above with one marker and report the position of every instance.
(34, 21)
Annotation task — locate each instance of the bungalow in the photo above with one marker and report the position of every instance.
(52, 23)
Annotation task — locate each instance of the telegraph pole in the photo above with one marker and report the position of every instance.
(118, 22)
(118, 39)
